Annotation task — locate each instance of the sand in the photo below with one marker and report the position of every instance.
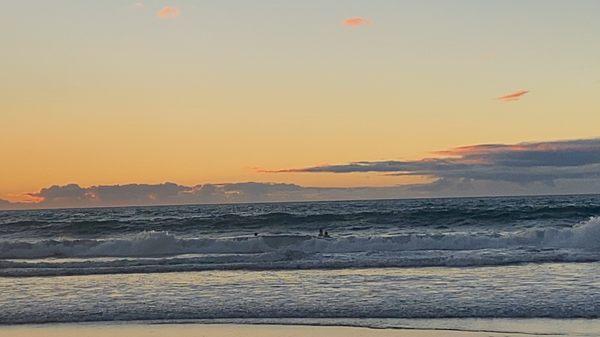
(226, 330)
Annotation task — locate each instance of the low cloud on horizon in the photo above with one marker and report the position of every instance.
(556, 167)
(73, 195)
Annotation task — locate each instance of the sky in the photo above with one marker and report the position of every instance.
(295, 100)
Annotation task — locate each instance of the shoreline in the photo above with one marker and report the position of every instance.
(189, 329)
(461, 327)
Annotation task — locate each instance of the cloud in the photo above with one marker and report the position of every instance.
(355, 22)
(112, 195)
(73, 195)
(522, 163)
(515, 96)
(168, 12)
(56, 194)
(556, 167)
(172, 194)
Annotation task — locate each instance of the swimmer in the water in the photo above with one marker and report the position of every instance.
(326, 235)
(320, 232)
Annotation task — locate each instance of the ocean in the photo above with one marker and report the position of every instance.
(385, 262)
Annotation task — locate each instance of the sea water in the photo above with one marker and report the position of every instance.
(385, 262)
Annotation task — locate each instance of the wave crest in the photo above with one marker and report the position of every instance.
(585, 235)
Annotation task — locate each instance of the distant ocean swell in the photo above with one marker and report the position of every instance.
(59, 223)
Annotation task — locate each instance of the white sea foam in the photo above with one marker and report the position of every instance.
(585, 235)
(164, 252)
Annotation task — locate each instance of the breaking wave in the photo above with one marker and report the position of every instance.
(585, 235)
(156, 251)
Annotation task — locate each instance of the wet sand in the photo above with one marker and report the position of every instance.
(229, 330)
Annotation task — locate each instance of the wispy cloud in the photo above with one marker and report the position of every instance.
(521, 163)
(355, 21)
(168, 12)
(515, 96)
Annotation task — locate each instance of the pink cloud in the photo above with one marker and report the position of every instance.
(355, 22)
(515, 96)
(168, 12)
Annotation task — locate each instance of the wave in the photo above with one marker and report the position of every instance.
(585, 235)
(290, 260)
(150, 252)
(423, 214)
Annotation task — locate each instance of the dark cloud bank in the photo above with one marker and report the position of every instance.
(561, 167)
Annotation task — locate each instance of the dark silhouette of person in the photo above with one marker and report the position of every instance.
(326, 235)
(320, 232)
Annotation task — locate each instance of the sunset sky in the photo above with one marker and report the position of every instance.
(220, 92)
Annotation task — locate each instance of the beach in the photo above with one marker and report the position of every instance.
(267, 330)
(197, 330)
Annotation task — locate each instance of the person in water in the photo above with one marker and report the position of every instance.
(326, 235)
(320, 232)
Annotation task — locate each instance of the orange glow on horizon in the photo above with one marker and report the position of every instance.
(193, 93)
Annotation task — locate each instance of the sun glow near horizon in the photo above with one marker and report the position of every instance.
(203, 93)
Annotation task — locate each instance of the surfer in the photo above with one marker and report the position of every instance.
(321, 232)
